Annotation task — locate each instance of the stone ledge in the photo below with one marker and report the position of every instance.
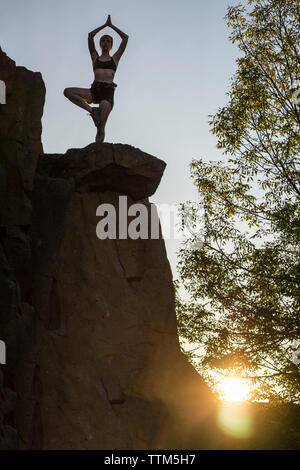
(106, 167)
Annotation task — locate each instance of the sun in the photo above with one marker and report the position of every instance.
(234, 389)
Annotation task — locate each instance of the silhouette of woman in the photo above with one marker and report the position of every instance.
(103, 88)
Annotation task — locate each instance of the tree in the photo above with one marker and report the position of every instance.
(243, 282)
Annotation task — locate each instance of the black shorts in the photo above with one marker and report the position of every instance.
(103, 91)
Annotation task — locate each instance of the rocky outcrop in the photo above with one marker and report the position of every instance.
(20, 140)
(93, 359)
(20, 146)
(107, 325)
(121, 168)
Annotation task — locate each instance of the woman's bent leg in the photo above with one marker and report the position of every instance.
(79, 96)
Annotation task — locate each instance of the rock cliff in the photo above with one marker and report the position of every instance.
(20, 146)
(93, 358)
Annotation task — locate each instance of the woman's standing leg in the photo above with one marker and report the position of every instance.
(105, 108)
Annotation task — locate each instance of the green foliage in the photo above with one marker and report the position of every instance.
(243, 283)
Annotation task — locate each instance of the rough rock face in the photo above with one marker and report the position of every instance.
(108, 347)
(93, 359)
(20, 146)
(20, 139)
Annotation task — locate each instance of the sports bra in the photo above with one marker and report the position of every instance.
(107, 64)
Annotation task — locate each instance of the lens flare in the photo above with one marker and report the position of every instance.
(235, 420)
(234, 416)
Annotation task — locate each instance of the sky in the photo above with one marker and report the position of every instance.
(174, 73)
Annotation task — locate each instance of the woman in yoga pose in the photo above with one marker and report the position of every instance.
(103, 88)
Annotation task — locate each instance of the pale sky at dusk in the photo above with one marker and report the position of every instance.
(173, 74)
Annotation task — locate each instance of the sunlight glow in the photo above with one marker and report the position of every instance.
(235, 419)
(234, 389)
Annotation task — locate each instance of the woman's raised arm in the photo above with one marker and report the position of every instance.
(117, 55)
(95, 31)
(109, 23)
(91, 43)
